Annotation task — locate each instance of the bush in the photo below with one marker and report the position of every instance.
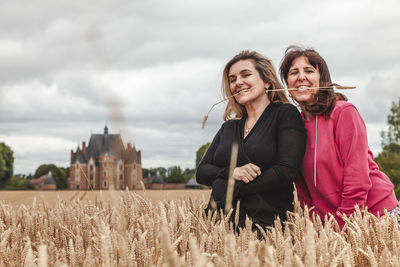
(18, 183)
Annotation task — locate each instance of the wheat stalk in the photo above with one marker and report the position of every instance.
(326, 88)
(231, 180)
(136, 232)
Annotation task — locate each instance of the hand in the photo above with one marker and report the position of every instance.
(246, 173)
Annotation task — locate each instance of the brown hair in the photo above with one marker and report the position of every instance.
(267, 73)
(325, 100)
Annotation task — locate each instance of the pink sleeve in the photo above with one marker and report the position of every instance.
(351, 138)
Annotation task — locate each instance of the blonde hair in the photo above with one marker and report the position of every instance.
(265, 68)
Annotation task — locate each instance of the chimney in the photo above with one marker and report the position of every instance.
(106, 130)
(129, 146)
(84, 148)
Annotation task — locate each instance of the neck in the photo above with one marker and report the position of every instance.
(255, 109)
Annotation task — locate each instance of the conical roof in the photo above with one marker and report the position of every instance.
(49, 179)
(192, 182)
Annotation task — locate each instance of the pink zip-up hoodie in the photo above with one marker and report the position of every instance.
(339, 169)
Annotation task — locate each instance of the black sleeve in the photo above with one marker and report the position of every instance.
(291, 146)
(207, 172)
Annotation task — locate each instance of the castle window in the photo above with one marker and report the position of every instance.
(105, 183)
(91, 176)
(121, 176)
(77, 186)
(91, 167)
(104, 164)
(105, 174)
(120, 167)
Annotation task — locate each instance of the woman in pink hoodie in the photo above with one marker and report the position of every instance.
(338, 166)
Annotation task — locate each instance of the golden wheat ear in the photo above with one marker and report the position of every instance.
(204, 121)
(219, 102)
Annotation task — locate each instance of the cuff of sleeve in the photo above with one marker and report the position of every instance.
(339, 214)
(339, 219)
(223, 173)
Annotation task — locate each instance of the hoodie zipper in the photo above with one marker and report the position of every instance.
(315, 150)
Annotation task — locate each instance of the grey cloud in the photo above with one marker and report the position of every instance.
(61, 63)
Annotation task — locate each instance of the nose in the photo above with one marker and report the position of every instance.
(239, 81)
(302, 75)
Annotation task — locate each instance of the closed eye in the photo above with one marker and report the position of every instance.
(309, 70)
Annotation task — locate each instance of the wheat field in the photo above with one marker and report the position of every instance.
(130, 229)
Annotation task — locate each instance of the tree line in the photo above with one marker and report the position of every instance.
(173, 174)
(388, 161)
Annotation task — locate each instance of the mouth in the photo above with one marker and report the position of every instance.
(302, 88)
(241, 91)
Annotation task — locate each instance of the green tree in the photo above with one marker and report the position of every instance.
(389, 159)
(6, 163)
(145, 172)
(200, 153)
(60, 174)
(153, 171)
(189, 173)
(175, 175)
(391, 138)
(17, 182)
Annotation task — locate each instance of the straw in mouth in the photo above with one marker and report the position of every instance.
(330, 87)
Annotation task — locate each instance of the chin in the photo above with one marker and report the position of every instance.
(302, 98)
(242, 101)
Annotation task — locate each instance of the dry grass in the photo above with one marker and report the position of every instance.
(131, 230)
(16, 198)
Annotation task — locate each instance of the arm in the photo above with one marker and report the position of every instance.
(207, 172)
(351, 138)
(290, 151)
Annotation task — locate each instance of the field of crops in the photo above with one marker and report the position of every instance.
(123, 228)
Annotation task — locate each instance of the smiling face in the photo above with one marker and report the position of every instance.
(244, 78)
(303, 75)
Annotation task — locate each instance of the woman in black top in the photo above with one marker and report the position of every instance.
(271, 141)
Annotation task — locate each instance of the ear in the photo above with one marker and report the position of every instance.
(267, 86)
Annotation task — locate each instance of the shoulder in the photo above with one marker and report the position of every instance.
(287, 110)
(287, 107)
(289, 117)
(227, 125)
(347, 116)
(230, 123)
(343, 108)
(342, 105)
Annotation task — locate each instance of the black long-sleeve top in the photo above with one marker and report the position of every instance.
(276, 144)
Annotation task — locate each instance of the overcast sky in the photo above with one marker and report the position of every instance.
(151, 69)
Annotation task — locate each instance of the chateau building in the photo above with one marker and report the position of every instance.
(105, 164)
